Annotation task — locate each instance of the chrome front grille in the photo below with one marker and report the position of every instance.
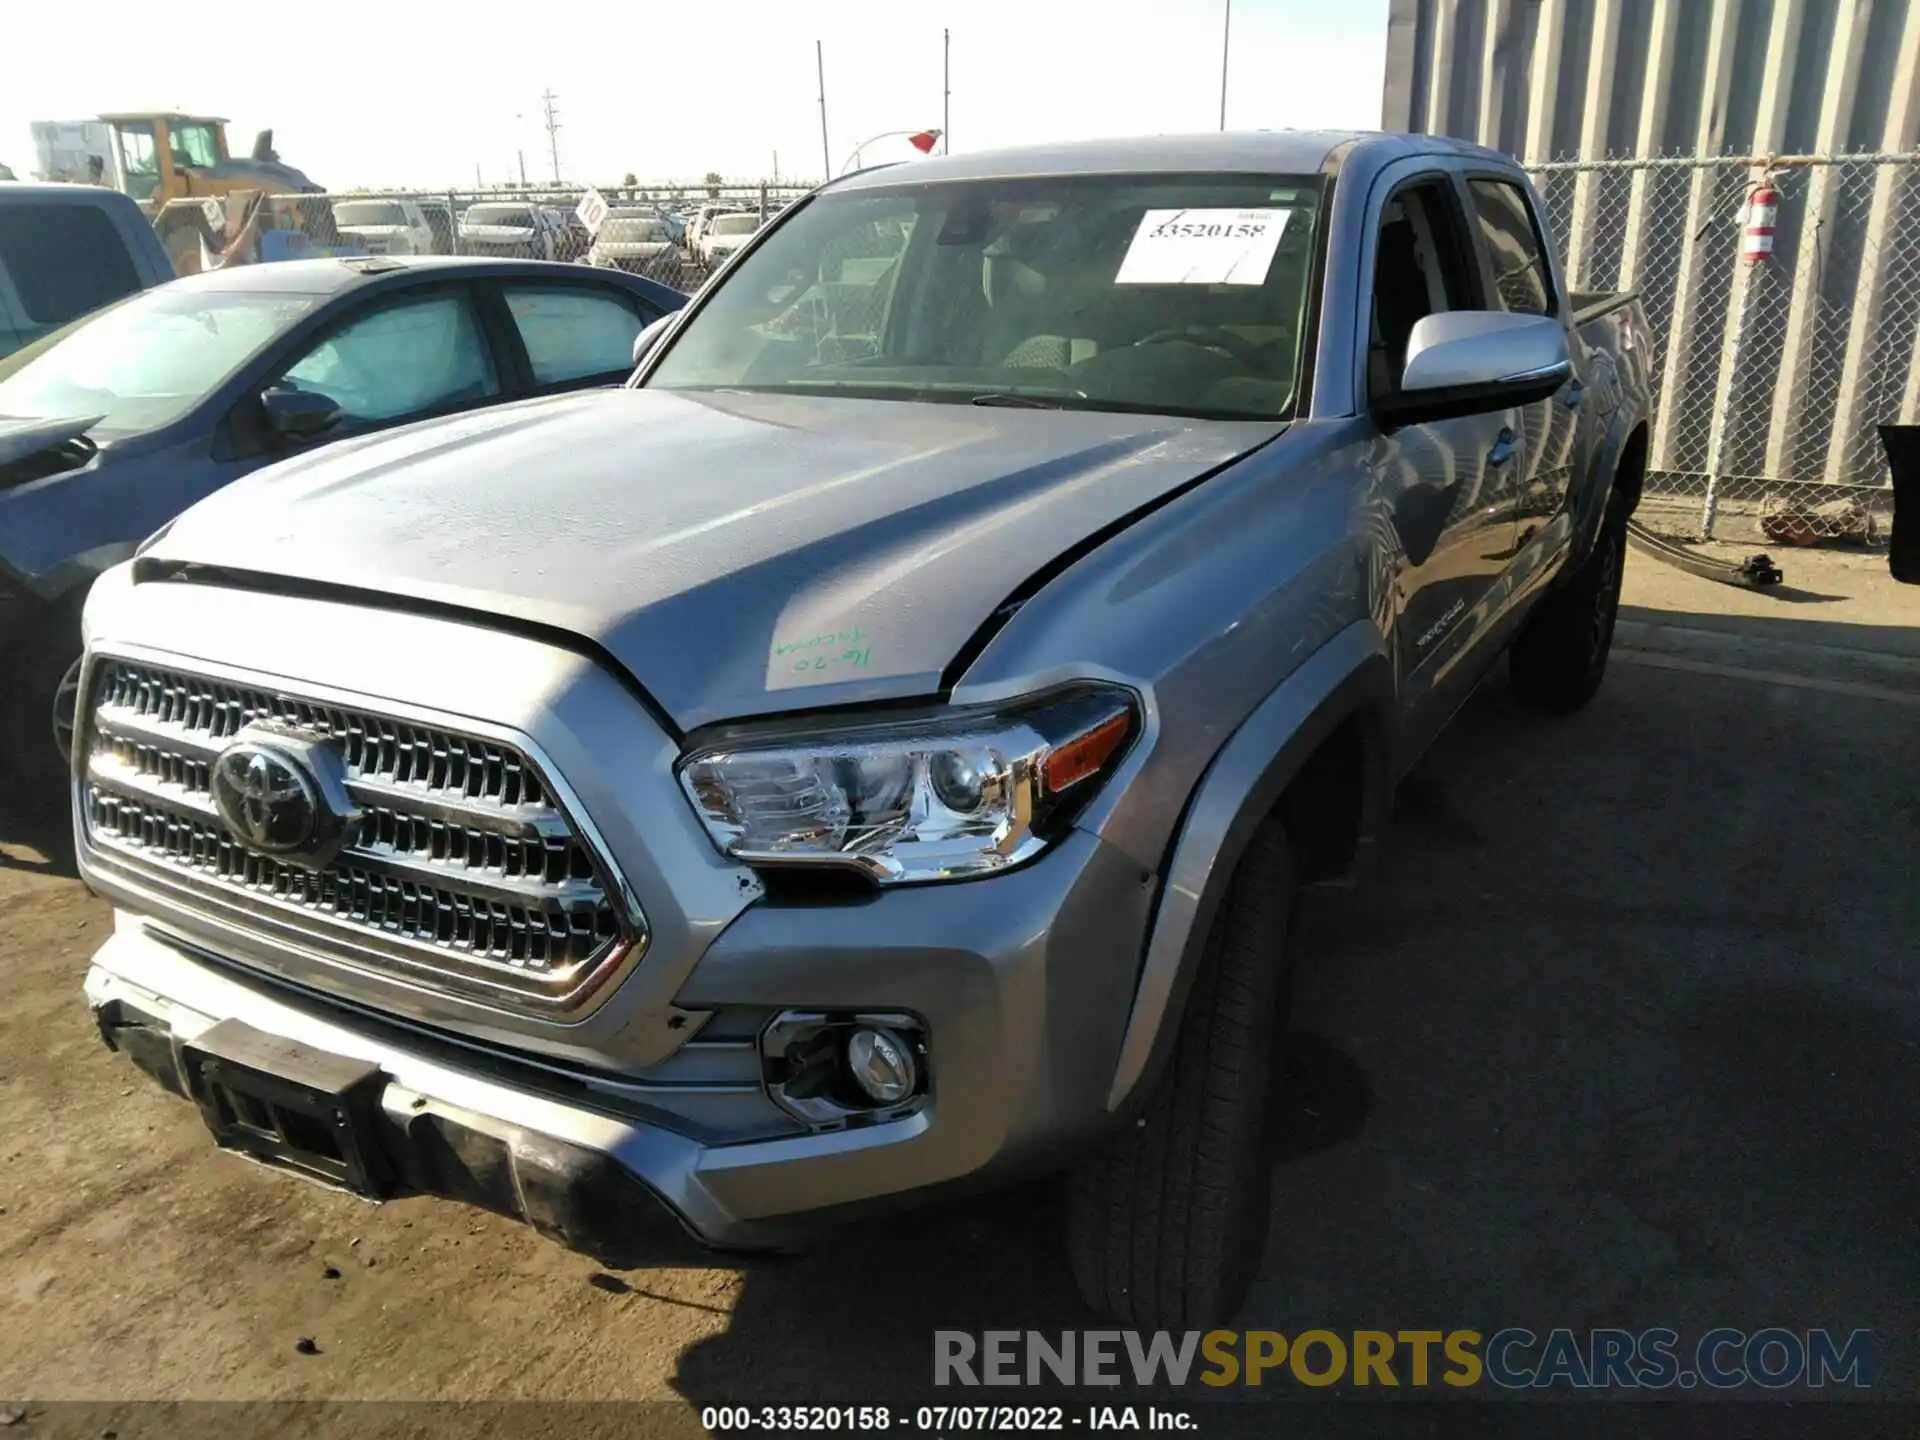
(460, 867)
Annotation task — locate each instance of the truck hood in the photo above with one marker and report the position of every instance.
(738, 554)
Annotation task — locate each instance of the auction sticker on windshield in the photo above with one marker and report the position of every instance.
(1203, 247)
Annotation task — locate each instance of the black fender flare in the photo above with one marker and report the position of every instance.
(1348, 678)
(1594, 497)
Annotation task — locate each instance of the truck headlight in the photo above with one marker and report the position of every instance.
(966, 794)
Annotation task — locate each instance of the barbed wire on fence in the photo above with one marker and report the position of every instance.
(1772, 376)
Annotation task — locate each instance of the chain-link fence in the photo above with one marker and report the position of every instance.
(673, 233)
(1772, 376)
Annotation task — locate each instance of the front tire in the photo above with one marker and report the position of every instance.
(1560, 657)
(1167, 1225)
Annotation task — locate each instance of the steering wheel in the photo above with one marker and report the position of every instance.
(1207, 337)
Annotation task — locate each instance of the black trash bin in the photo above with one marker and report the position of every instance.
(1903, 458)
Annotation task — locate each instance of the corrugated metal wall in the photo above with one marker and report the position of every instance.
(1556, 79)
(1772, 376)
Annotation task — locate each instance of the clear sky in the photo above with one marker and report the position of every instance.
(406, 93)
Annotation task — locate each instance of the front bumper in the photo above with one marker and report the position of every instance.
(1023, 982)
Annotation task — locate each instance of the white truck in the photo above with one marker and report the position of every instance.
(385, 225)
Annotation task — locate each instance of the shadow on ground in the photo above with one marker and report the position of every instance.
(36, 828)
(1624, 1036)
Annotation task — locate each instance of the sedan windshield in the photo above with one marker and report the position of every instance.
(499, 215)
(146, 361)
(1172, 294)
(632, 232)
(369, 212)
(736, 224)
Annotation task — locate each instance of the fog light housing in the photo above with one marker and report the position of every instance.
(881, 1065)
(836, 1068)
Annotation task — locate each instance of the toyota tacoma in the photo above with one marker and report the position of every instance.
(873, 753)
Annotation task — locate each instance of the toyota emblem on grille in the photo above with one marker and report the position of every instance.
(268, 799)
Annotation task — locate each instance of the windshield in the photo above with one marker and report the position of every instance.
(369, 212)
(736, 224)
(499, 215)
(1173, 294)
(146, 361)
(631, 231)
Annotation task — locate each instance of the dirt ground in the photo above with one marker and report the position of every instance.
(1627, 1035)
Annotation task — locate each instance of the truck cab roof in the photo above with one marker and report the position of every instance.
(1270, 152)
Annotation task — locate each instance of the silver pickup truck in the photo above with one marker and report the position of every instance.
(874, 752)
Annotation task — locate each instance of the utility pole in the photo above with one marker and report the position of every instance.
(1226, 41)
(476, 174)
(776, 167)
(826, 156)
(523, 167)
(946, 92)
(553, 131)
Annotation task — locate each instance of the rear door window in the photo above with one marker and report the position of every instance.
(65, 260)
(574, 333)
(1514, 252)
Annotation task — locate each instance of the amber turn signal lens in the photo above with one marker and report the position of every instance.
(1074, 760)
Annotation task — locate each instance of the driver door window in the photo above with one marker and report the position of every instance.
(401, 361)
(1420, 270)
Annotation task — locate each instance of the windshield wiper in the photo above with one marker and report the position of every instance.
(1023, 402)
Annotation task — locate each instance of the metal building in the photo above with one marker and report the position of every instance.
(1648, 124)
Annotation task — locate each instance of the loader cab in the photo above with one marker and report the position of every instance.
(158, 153)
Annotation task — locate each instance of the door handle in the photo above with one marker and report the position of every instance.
(1502, 450)
(1576, 392)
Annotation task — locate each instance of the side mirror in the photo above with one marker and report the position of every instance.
(644, 342)
(1468, 362)
(298, 414)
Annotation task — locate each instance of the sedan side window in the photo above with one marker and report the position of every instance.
(401, 360)
(574, 333)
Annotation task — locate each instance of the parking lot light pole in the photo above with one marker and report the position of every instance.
(1226, 46)
(820, 66)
